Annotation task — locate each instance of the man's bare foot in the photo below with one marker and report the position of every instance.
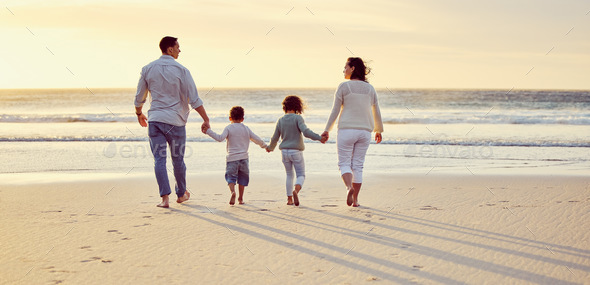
(349, 198)
(295, 194)
(240, 201)
(232, 200)
(184, 197)
(164, 203)
(289, 200)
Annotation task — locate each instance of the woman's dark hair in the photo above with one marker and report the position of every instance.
(293, 103)
(236, 113)
(360, 69)
(167, 42)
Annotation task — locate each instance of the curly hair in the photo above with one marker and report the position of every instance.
(236, 113)
(293, 103)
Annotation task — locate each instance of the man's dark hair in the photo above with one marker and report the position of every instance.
(236, 113)
(167, 42)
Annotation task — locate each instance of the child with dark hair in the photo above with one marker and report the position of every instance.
(290, 128)
(238, 138)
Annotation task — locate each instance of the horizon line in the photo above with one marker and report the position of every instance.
(328, 88)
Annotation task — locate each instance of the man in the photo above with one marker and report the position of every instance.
(172, 90)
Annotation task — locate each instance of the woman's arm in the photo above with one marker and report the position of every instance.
(336, 108)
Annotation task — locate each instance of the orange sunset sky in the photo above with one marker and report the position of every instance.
(264, 43)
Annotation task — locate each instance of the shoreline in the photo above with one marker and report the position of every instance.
(58, 177)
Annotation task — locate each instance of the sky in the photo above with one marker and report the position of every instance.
(461, 44)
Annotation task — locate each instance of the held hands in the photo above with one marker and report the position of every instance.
(325, 137)
(205, 126)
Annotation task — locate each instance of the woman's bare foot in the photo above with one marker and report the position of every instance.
(184, 197)
(289, 200)
(240, 201)
(232, 200)
(349, 198)
(164, 203)
(296, 194)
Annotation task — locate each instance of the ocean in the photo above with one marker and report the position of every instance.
(473, 132)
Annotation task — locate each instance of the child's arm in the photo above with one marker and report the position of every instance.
(306, 131)
(217, 137)
(256, 139)
(275, 138)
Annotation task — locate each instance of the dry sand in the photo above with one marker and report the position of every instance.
(423, 229)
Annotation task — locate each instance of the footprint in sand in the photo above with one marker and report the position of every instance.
(146, 217)
(96, 258)
(372, 278)
(329, 205)
(405, 245)
(417, 267)
(115, 231)
(146, 224)
(429, 208)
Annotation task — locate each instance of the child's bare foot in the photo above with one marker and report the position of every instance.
(232, 200)
(164, 203)
(349, 198)
(289, 200)
(184, 197)
(295, 194)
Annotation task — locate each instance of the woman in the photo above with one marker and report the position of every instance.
(356, 102)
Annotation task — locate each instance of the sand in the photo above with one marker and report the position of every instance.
(424, 229)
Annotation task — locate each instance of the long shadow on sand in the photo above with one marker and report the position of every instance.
(579, 252)
(433, 252)
(384, 241)
(303, 240)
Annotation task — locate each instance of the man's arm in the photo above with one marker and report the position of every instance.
(141, 118)
(140, 98)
